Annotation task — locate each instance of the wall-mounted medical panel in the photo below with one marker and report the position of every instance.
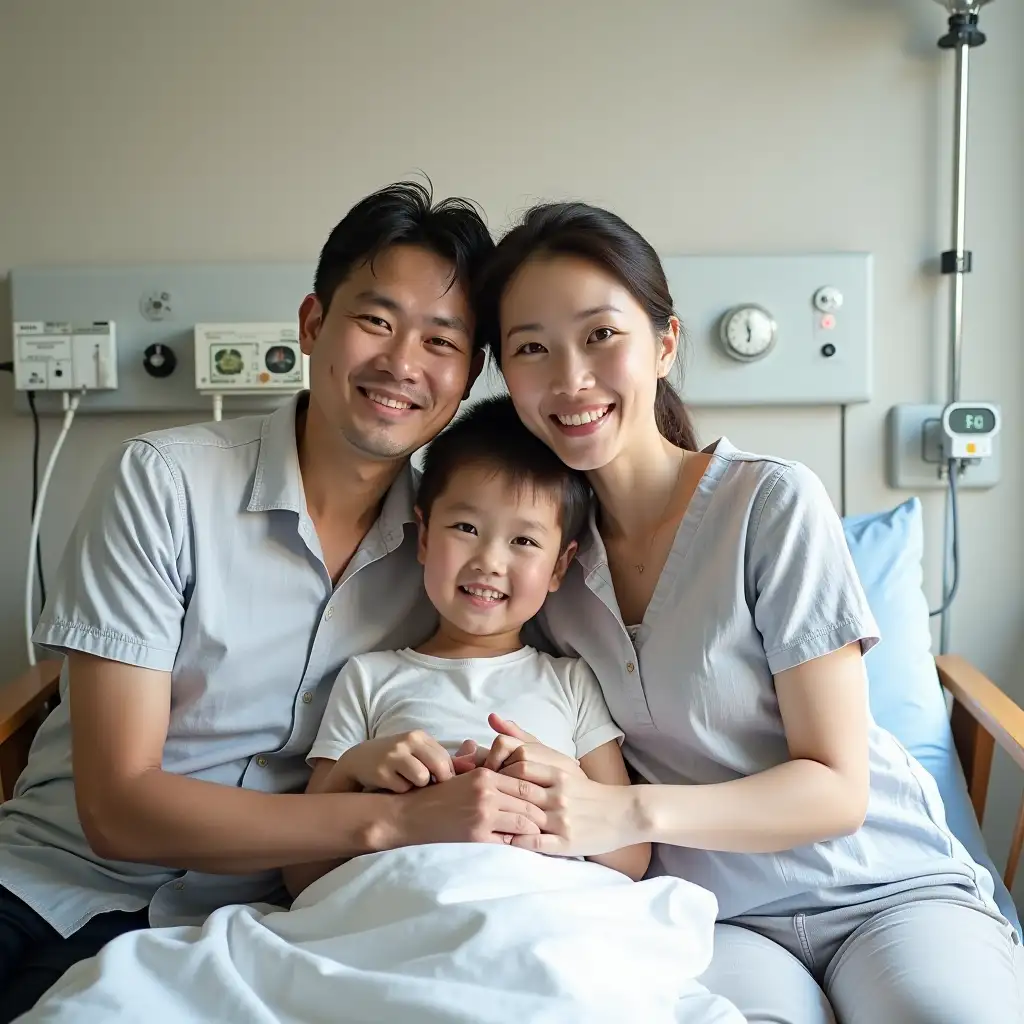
(762, 330)
(156, 309)
(775, 330)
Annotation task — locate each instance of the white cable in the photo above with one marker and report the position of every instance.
(218, 406)
(70, 404)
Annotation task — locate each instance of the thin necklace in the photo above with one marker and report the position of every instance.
(666, 519)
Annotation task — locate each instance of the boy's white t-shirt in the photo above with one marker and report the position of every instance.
(388, 693)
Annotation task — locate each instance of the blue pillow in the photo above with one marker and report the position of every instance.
(905, 694)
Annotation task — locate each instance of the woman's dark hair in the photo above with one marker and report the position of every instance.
(590, 233)
(404, 214)
(490, 434)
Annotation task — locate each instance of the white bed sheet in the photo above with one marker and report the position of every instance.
(440, 934)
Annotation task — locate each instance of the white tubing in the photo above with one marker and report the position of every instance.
(218, 406)
(70, 405)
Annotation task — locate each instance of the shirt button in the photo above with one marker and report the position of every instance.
(307, 698)
(261, 761)
(630, 667)
(179, 886)
(329, 613)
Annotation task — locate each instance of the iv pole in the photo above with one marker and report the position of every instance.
(962, 36)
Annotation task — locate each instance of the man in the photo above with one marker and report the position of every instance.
(218, 579)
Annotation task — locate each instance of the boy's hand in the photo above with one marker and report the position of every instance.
(397, 763)
(510, 746)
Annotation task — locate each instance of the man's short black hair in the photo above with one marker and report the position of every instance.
(404, 214)
(491, 434)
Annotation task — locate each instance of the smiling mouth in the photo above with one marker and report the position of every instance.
(386, 401)
(488, 594)
(582, 419)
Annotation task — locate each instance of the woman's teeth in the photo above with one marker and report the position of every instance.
(578, 419)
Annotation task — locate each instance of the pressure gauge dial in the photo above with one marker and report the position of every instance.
(748, 332)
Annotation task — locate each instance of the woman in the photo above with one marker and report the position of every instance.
(717, 601)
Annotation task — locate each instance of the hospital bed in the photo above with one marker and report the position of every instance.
(908, 690)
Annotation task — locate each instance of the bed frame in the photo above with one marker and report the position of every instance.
(982, 717)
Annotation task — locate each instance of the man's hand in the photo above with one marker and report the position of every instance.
(396, 763)
(478, 806)
(511, 746)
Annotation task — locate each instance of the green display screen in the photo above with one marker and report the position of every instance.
(972, 421)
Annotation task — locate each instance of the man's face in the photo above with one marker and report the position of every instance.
(393, 356)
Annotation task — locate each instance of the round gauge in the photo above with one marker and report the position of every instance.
(748, 332)
(228, 361)
(280, 359)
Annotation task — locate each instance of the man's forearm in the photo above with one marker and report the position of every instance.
(161, 818)
(298, 877)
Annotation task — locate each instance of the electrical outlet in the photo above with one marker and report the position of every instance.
(914, 452)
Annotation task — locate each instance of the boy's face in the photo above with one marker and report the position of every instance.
(491, 555)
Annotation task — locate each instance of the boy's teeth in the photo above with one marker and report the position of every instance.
(391, 403)
(577, 419)
(486, 592)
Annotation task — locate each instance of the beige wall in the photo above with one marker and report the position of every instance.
(138, 130)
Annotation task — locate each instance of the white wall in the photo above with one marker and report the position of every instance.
(140, 130)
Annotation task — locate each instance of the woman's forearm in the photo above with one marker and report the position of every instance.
(791, 805)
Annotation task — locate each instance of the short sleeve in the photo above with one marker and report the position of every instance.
(346, 721)
(119, 591)
(807, 597)
(594, 723)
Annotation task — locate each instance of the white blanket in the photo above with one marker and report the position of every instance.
(443, 934)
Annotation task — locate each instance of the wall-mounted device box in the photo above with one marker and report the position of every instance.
(968, 430)
(921, 439)
(62, 356)
(249, 358)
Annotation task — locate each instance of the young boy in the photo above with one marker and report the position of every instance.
(499, 517)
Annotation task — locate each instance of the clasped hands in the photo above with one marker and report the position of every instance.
(413, 760)
(518, 792)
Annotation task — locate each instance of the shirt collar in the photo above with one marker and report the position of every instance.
(278, 481)
(591, 553)
(398, 509)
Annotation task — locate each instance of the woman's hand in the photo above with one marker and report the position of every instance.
(579, 817)
(582, 818)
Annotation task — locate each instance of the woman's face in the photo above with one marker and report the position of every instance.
(581, 360)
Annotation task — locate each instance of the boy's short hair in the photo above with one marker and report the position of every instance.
(490, 433)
